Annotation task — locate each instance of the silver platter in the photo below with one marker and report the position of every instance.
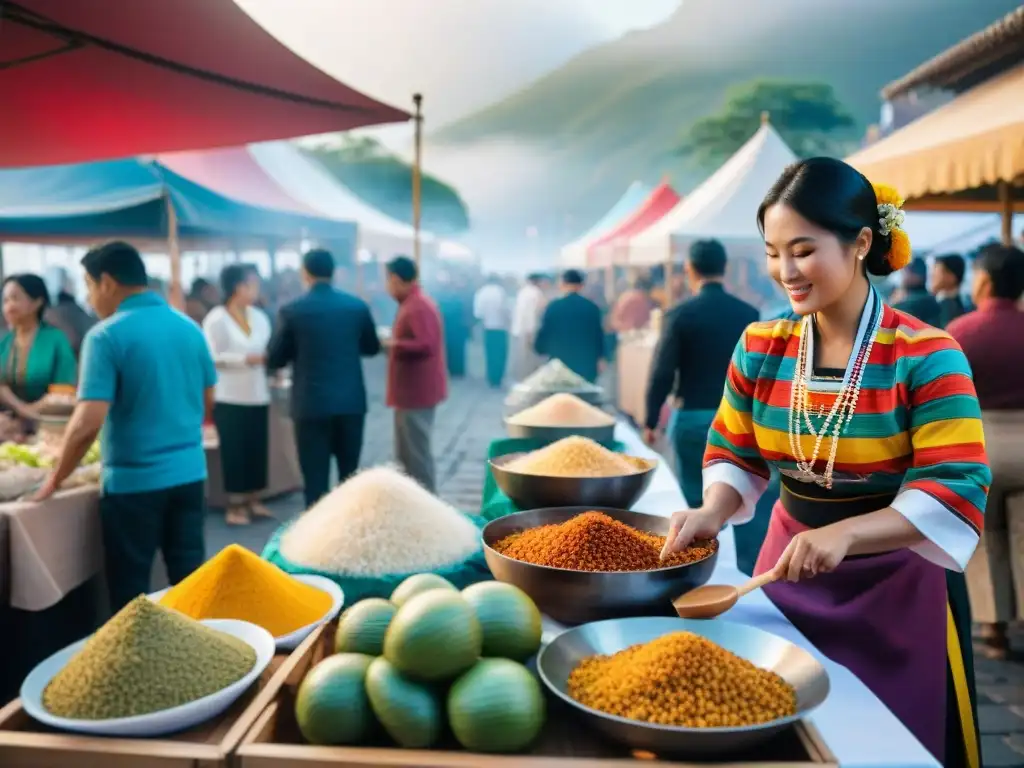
(535, 491)
(603, 434)
(796, 666)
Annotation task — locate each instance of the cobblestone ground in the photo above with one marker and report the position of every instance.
(465, 425)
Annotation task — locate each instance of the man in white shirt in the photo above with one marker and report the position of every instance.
(490, 308)
(530, 303)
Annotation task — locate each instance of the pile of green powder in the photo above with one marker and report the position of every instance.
(146, 659)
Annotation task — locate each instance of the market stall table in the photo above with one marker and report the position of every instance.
(51, 576)
(633, 360)
(283, 476)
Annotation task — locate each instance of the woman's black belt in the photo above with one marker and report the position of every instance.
(816, 507)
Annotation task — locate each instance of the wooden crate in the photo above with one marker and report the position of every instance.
(274, 742)
(24, 743)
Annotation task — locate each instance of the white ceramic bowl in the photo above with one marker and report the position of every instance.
(171, 720)
(291, 641)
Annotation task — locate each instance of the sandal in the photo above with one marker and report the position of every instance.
(237, 516)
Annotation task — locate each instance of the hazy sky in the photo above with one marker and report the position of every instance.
(461, 54)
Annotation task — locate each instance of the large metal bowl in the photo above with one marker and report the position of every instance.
(796, 666)
(536, 491)
(604, 434)
(575, 597)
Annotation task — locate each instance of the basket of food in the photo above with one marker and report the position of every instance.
(584, 564)
(572, 471)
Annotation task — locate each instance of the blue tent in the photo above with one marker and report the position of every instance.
(575, 253)
(128, 198)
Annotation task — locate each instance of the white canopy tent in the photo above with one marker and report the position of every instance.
(450, 250)
(574, 255)
(307, 181)
(724, 206)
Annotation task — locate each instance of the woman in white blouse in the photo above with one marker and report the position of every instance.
(238, 333)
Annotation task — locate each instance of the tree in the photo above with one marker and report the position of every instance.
(384, 181)
(808, 116)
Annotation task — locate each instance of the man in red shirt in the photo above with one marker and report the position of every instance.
(417, 376)
(992, 338)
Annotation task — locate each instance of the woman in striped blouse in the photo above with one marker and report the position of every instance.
(872, 420)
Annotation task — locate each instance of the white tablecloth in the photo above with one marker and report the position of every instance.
(856, 726)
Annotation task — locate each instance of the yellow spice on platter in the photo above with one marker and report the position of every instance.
(237, 584)
(682, 679)
(562, 410)
(575, 457)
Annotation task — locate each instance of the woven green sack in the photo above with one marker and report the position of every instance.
(469, 571)
(496, 504)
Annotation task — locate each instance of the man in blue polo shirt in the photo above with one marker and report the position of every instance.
(147, 373)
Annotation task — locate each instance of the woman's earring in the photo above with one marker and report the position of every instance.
(861, 256)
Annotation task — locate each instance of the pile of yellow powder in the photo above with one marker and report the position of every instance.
(237, 584)
(562, 410)
(576, 457)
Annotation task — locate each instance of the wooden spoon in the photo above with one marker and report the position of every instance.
(713, 600)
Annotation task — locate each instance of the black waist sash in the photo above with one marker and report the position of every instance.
(811, 505)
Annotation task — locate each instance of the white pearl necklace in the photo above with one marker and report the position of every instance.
(842, 410)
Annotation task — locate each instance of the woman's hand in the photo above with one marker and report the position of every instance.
(690, 524)
(255, 359)
(819, 550)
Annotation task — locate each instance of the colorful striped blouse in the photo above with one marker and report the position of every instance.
(916, 432)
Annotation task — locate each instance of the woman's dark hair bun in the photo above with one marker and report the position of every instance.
(836, 197)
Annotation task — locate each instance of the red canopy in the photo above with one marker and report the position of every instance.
(108, 78)
(234, 173)
(661, 200)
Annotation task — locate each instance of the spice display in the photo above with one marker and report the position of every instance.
(556, 376)
(576, 456)
(237, 584)
(380, 522)
(593, 541)
(562, 410)
(147, 658)
(682, 679)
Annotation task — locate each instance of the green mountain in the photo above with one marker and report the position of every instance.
(616, 112)
(384, 181)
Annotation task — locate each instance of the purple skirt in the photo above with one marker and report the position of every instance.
(883, 617)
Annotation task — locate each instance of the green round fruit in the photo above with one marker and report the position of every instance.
(434, 637)
(410, 712)
(497, 706)
(418, 584)
(509, 620)
(331, 706)
(362, 626)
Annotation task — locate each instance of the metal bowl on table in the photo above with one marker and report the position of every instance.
(794, 664)
(518, 399)
(535, 491)
(603, 434)
(575, 597)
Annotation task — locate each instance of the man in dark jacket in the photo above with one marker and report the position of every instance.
(917, 302)
(323, 335)
(571, 330)
(691, 360)
(947, 282)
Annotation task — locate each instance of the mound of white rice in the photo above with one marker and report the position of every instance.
(380, 522)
